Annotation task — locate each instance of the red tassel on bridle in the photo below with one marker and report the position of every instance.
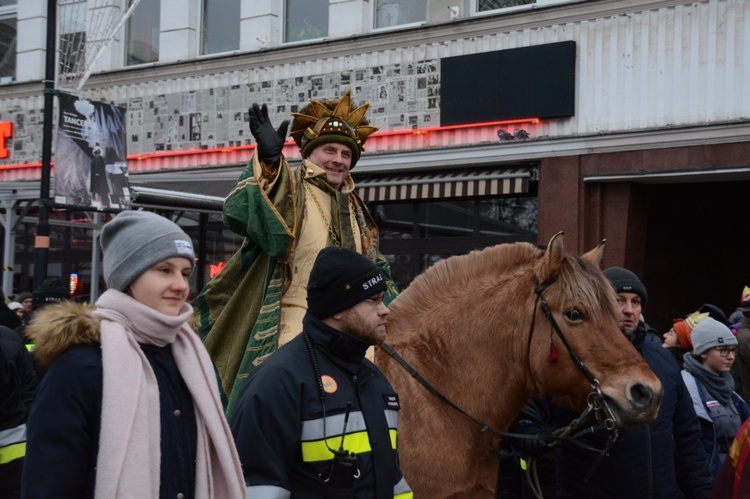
(552, 357)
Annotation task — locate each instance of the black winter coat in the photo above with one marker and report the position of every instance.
(61, 464)
(664, 459)
(280, 421)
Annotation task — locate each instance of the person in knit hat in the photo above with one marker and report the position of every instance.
(632, 299)
(259, 299)
(677, 339)
(304, 425)
(130, 406)
(720, 410)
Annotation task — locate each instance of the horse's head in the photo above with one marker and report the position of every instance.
(576, 317)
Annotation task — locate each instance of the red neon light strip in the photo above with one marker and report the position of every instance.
(408, 131)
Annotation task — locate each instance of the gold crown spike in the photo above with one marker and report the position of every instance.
(692, 320)
(312, 119)
(745, 294)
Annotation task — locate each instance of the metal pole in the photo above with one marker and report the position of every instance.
(95, 233)
(41, 241)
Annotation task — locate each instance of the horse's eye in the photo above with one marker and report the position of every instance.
(574, 315)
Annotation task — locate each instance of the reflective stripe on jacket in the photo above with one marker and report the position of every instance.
(12, 444)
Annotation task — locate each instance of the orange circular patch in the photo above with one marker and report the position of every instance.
(329, 384)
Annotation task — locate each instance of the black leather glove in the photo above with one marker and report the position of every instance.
(270, 142)
(530, 447)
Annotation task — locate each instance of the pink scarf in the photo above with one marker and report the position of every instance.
(128, 464)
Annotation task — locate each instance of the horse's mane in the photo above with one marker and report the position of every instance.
(476, 270)
(486, 269)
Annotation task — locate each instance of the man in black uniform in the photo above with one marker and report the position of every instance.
(317, 419)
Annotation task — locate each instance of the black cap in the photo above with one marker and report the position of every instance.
(341, 278)
(624, 281)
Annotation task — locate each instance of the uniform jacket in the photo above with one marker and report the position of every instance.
(708, 437)
(237, 313)
(284, 431)
(664, 459)
(64, 425)
(17, 388)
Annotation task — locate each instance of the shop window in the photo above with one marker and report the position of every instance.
(389, 13)
(8, 38)
(142, 33)
(415, 235)
(220, 26)
(305, 20)
(485, 5)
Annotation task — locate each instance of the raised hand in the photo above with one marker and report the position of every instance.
(270, 141)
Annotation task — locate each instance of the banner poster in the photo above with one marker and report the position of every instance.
(91, 168)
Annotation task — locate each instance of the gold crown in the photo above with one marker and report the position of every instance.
(693, 319)
(745, 298)
(332, 120)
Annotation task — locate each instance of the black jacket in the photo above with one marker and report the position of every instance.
(661, 460)
(281, 425)
(63, 429)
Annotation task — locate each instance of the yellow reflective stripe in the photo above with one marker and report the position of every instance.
(394, 438)
(358, 443)
(402, 490)
(12, 452)
(29, 347)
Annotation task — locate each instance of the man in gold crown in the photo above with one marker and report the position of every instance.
(257, 302)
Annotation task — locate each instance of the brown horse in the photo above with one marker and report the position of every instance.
(473, 327)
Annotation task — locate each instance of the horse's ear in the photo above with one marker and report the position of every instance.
(555, 254)
(595, 255)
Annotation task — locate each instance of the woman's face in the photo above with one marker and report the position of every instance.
(164, 287)
(670, 339)
(719, 360)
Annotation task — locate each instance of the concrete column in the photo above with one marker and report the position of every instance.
(31, 40)
(349, 17)
(261, 24)
(179, 30)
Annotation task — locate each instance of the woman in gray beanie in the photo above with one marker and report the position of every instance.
(130, 406)
(720, 410)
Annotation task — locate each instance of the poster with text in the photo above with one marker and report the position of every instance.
(91, 168)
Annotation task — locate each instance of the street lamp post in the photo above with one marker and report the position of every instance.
(41, 241)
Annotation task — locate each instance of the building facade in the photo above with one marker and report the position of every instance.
(500, 121)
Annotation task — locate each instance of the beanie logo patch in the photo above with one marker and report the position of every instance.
(183, 247)
(372, 282)
(329, 384)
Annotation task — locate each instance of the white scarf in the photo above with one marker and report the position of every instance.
(128, 464)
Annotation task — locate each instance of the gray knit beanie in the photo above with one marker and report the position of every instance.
(135, 241)
(624, 281)
(710, 333)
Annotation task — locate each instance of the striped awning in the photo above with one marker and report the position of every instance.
(506, 182)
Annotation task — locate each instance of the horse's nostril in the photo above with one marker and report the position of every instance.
(641, 395)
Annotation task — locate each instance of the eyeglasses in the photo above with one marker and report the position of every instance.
(724, 351)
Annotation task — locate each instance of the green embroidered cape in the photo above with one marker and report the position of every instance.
(237, 313)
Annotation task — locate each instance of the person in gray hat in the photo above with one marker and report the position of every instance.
(130, 406)
(720, 410)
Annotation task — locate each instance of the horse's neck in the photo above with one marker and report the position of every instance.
(491, 383)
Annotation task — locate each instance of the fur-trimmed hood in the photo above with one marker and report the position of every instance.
(59, 327)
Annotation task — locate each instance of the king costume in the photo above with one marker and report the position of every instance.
(258, 300)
